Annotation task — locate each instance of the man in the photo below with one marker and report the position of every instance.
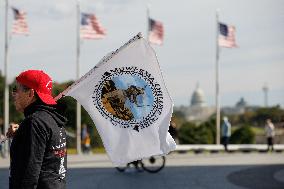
(226, 132)
(173, 131)
(270, 133)
(38, 150)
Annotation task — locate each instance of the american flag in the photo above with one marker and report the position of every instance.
(156, 32)
(91, 28)
(227, 36)
(20, 25)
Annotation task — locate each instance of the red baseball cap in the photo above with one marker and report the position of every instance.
(40, 82)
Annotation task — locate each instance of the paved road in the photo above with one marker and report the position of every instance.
(183, 171)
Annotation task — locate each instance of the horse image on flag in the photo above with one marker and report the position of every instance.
(127, 99)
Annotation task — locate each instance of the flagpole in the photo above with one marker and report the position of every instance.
(78, 112)
(148, 27)
(6, 89)
(217, 82)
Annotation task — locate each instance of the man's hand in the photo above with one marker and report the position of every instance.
(12, 130)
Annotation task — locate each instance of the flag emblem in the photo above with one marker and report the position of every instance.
(128, 97)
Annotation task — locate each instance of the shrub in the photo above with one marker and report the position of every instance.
(243, 135)
(189, 133)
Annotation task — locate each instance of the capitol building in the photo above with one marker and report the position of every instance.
(199, 111)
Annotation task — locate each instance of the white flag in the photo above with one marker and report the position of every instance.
(127, 99)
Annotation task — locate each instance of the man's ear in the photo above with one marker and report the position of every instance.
(32, 93)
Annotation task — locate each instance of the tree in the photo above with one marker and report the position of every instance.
(210, 127)
(276, 114)
(189, 133)
(243, 135)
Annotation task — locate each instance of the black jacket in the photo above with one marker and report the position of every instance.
(38, 150)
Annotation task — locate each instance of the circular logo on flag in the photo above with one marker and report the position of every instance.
(129, 97)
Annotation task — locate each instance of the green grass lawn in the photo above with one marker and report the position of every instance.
(256, 130)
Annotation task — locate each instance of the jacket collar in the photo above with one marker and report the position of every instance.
(33, 107)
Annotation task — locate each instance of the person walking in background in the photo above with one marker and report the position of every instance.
(86, 140)
(173, 131)
(38, 150)
(84, 132)
(226, 132)
(270, 133)
(87, 144)
(2, 137)
(1, 146)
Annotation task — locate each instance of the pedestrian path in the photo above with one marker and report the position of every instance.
(178, 159)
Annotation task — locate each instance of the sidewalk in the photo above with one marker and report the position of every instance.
(178, 159)
(76, 161)
(231, 147)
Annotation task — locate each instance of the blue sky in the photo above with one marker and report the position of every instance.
(187, 56)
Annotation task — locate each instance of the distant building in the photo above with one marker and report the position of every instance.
(239, 108)
(197, 98)
(198, 110)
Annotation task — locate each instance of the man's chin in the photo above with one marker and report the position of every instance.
(19, 109)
